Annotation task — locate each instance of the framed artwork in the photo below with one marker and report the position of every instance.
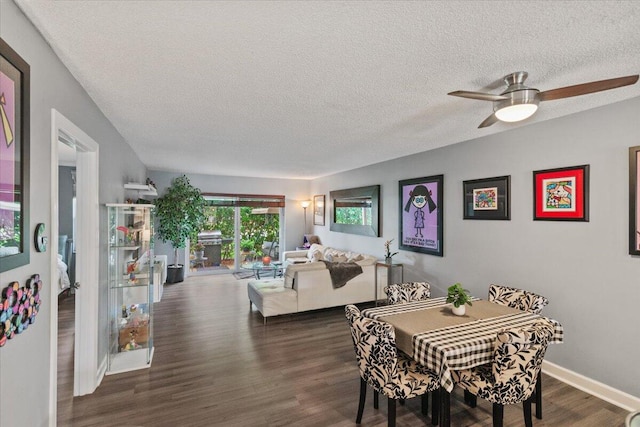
(318, 210)
(14, 159)
(634, 200)
(487, 198)
(561, 194)
(356, 211)
(421, 207)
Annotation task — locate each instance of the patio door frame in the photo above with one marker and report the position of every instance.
(246, 200)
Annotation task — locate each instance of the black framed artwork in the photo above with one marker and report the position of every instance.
(487, 198)
(14, 159)
(421, 215)
(634, 200)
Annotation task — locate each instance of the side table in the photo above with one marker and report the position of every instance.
(390, 269)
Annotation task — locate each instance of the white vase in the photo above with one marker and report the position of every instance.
(458, 311)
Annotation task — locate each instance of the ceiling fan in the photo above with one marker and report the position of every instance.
(519, 102)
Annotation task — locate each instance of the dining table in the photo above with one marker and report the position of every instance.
(433, 336)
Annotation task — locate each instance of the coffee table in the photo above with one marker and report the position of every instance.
(274, 268)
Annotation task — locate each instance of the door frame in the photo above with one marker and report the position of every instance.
(86, 375)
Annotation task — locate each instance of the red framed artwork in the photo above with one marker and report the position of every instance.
(561, 194)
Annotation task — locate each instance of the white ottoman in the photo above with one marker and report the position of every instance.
(271, 298)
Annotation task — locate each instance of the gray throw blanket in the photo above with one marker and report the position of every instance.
(342, 272)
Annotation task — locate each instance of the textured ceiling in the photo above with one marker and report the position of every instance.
(307, 89)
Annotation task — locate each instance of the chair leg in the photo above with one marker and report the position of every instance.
(363, 395)
(376, 404)
(435, 407)
(391, 411)
(470, 399)
(539, 396)
(445, 408)
(526, 407)
(498, 412)
(424, 404)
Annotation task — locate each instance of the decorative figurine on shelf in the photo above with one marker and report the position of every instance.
(128, 237)
(387, 252)
(132, 344)
(131, 270)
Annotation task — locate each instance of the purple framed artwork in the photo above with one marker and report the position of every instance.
(634, 200)
(487, 198)
(14, 159)
(421, 207)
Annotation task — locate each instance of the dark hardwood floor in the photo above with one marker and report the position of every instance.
(215, 364)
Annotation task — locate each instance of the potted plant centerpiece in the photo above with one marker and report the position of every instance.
(458, 296)
(180, 213)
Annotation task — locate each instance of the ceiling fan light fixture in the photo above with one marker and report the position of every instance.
(520, 106)
(515, 113)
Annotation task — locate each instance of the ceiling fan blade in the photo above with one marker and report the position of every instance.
(477, 95)
(488, 121)
(585, 88)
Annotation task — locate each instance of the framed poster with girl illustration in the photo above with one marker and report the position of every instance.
(421, 207)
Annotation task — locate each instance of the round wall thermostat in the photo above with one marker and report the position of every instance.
(39, 239)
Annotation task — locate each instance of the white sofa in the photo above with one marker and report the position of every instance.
(307, 284)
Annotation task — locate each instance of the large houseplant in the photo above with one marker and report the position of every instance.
(180, 213)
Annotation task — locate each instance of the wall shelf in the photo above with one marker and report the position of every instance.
(142, 189)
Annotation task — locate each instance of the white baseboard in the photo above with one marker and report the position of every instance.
(101, 371)
(593, 387)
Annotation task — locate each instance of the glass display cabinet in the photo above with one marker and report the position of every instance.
(130, 277)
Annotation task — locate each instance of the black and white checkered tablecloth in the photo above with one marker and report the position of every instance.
(460, 346)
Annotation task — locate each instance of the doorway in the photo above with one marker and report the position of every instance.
(86, 373)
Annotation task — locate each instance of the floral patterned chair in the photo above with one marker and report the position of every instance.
(526, 301)
(511, 378)
(517, 298)
(384, 369)
(399, 293)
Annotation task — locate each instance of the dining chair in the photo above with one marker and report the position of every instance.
(399, 293)
(526, 301)
(517, 298)
(386, 370)
(511, 378)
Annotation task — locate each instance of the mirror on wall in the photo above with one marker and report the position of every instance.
(356, 211)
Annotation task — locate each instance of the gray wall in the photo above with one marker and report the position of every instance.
(24, 361)
(582, 267)
(294, 191)
(65, 201)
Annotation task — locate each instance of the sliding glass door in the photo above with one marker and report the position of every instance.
(240, 229)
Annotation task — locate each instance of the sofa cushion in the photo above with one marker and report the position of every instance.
(315, 255)
(290, 272)
(271, 298)
(353, 257)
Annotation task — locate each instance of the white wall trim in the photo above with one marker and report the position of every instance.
(591, 386)
(102, 369)
(86, 348)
